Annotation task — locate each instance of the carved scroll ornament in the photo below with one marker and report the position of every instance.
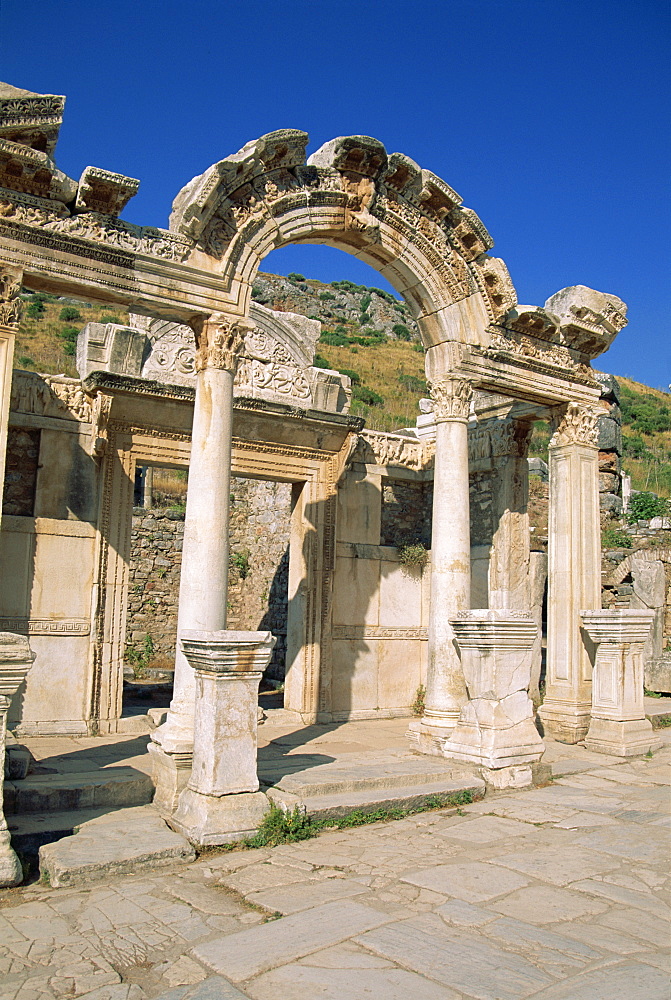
(451, 398)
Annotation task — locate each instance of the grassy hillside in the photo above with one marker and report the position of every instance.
(369, 335)
(646, 436)
(48, 332)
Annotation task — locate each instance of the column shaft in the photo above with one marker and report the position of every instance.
(450, 565)
(574, 572)
(204, 577)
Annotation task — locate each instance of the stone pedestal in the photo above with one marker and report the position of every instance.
(496, 728)
(221, 802)
(450, 566)
(574, 571)
(15, 661)
(618, 725)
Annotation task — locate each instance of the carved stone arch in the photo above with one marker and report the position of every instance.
(384, 209)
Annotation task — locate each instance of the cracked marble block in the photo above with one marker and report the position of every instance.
(618, 725)
(15, 662)
(222, 802)
(496, 727)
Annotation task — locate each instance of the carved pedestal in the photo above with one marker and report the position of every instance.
(574, 572)
(222, 802)
(496, 727)
(15, 661)
(618, 725)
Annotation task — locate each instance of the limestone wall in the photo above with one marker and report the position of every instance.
(257, 593)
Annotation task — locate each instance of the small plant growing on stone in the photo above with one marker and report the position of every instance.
(240, 560)
(644, 506)
(139, 658)
(413, 557)
(419, 704)
(279, 827)
(613, 538)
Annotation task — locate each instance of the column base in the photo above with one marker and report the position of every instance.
(11, 872)
(496, 748)
(426, 737)
(175, 736)
(207, 820)
(566, 722)
(622, 739)
(171, 773)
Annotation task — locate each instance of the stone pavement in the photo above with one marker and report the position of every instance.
(555, 893)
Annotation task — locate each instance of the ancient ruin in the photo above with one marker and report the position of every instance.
(205, 379)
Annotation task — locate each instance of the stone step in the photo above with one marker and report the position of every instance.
(390, 769)
(30, 831)
(334, 806)
(126, 841)
(104, 788)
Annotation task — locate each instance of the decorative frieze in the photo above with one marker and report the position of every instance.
(50, 396)
(378, 448)
(451, 399)
(378, 632)
(46, 626)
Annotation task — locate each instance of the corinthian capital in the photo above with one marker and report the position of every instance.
(451, 398)
(576, 425)
(220, 343)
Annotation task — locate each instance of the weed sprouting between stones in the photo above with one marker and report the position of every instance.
(279, 827)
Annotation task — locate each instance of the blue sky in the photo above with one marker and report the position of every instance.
(549, 117)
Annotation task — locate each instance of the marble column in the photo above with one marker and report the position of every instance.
(15, 661)
(204, 576)
(222, 802)
(450, 565)
(574, 570)
(618, 725)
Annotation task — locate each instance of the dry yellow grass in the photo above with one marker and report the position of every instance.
(39, 345)
(380, 366)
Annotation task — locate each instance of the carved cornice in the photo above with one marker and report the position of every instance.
(575, 425)
(29, 219)
(451, 399)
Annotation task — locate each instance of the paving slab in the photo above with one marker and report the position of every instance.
(546, 904)
(125, 841)
(454, 958)
(627, 981)
(212, 988)
(249, 953)
(306, 983)
(292, 898)
(473, 882)
(548, 865)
